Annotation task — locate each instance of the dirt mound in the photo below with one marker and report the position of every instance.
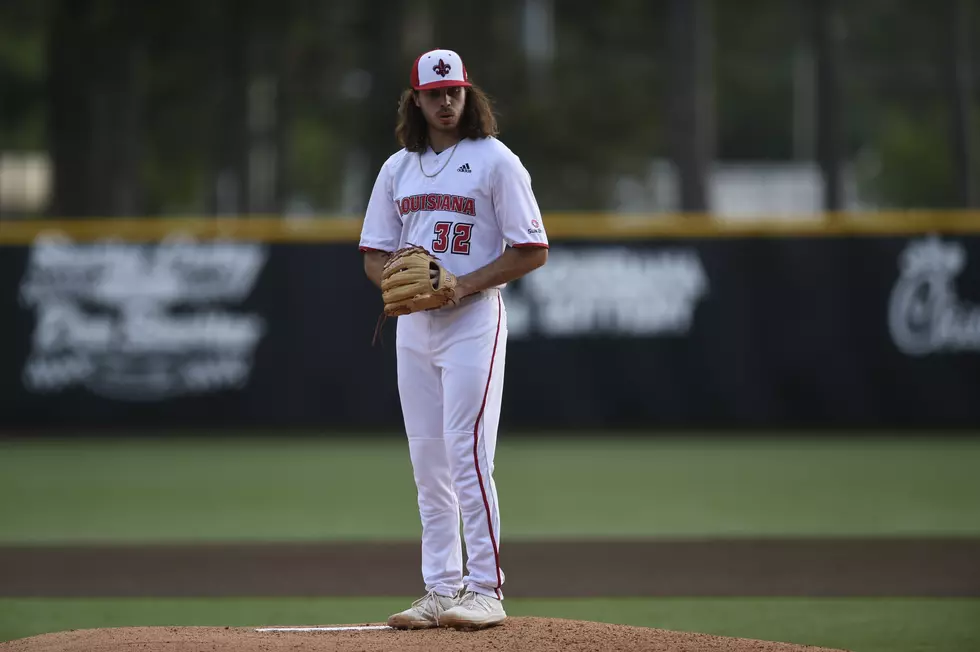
(538, 634)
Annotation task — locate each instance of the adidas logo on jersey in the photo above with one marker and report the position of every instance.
(465, 167)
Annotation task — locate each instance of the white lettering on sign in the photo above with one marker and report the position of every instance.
(141, 322)
(613, 291)
(925, 314)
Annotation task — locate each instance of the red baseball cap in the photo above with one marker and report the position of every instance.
(438, 69)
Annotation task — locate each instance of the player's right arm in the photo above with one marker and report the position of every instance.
(374, 263)
(382, 227)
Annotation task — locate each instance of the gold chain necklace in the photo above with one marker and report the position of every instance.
(443, 165)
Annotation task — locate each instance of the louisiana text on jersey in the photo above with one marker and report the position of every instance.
(437, 202)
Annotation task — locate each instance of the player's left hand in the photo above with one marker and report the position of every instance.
(414, 280)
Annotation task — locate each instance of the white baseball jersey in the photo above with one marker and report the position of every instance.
(465, 214)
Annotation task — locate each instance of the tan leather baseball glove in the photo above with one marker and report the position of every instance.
(415, 280)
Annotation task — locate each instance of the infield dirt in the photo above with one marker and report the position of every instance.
(524, 634)
(540, 569)
(900, 567)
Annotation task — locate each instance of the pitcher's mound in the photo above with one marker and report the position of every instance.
(524, 634)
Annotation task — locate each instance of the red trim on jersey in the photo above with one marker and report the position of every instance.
(530, 244)
(372, 249)
(476, 458)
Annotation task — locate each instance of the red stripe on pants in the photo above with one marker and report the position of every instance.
(476, 458)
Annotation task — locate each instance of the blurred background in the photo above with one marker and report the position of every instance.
(759, 324)
(233, 108)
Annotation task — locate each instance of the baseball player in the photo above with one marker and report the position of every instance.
(451, 219)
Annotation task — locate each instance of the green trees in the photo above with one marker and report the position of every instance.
(245, 107)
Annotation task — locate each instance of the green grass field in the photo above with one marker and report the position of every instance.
(284, 488)
(281, 488)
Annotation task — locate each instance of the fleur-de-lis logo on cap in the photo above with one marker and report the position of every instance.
(442, 69)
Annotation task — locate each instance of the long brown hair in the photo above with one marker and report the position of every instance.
(476, 121)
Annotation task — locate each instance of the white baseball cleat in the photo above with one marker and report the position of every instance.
(474, 611)
(424, 613)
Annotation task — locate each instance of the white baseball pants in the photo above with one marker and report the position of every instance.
(450, 384)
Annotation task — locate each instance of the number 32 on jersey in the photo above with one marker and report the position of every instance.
(457, 235)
